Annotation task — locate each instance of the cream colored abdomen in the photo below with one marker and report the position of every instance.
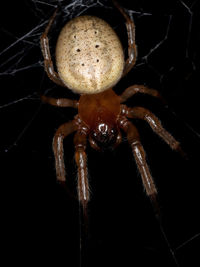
(89, 55)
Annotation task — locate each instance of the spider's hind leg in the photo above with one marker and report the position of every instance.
(132, 49)
(48, 64)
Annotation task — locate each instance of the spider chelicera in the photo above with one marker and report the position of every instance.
(90, 61)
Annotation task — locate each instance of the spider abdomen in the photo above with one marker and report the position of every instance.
(89, 55)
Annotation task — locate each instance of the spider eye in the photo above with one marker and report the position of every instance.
(104, 135)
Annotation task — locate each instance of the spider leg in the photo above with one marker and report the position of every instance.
(132, 49)
(148, 182)
(134, 89)
(59, 102)
(81, 162)
(155, 124)
(140, 158)
(48, 64)
(80, 140)
(63, 131)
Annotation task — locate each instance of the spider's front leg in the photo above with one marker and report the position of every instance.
(63, 131)
(80, 140)
(140, 158)
(148, 182)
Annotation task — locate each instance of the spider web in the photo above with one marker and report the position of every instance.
(168, 48)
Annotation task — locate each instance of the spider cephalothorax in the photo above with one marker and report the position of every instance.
(99, 112)
(90, 61)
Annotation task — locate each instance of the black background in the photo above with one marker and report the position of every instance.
(39, 219)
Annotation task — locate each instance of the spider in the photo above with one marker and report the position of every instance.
(90, 61)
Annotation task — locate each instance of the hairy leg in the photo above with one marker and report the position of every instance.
(48, 64)
(132, 49)
(150, 188)
(63, 131)
(155, 124)
(140, 158)
(134, 89)
(59, 102)
(81, 162)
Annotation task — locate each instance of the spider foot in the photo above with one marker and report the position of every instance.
(155, 204)
(84, 234)
(182, 152)
(156, 207)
